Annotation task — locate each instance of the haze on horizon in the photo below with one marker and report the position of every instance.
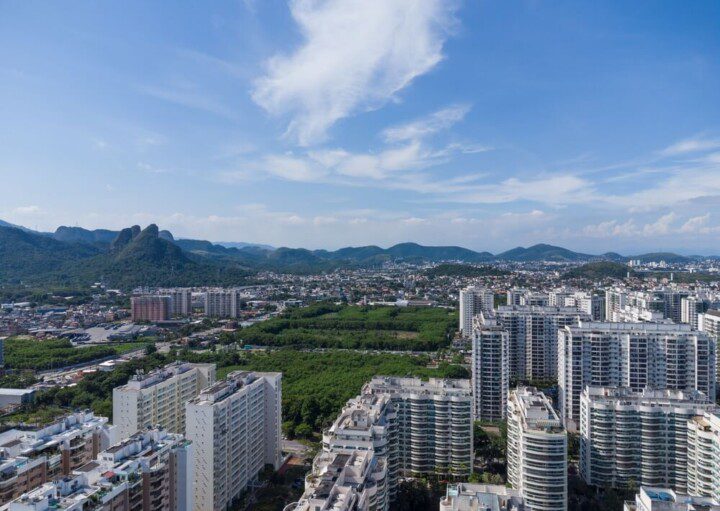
(322, 124)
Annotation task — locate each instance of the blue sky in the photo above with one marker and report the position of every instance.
(593, 125)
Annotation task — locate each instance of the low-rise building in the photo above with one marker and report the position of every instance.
(481, 497)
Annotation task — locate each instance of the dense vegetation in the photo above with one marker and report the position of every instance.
(29, 353)
(326, 325)
(599, 270)
(464, 270)
(316, 385)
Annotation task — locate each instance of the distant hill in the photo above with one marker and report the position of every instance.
(464, 270)
(29, 256)
(599, 270)
(656, 257)
(543, 252)
(80, 235)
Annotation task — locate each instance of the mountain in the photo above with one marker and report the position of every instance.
(80, 235)
(413, 250)
(542, 252)
(656, 257)
(28, 256)
(242, 244)
(599, 270)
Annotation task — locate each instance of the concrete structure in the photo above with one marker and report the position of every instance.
(703, 455)
(147, 472)
(490, 369)
(709, 322)
(637, 436)
(533, 334)
(352, 481)
(474, 300)
(31, 457)
(180, 300)
(665, 499)
(158, 398)
(222, 303)
(481, 497)
(634, 355)
(690, 308)
(434, 421)
(235, 429)
(150, 308)
(16, 397)
(536, 451)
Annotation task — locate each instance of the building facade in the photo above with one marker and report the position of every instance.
(151, 308)
(158, 398)
(490, 369)
(473, 300)
(634, 355)
(536, 451)
(637, 437)
(235, 429)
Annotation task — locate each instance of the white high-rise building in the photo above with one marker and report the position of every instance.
(532, 337)
(180, 300)
(665, 499)
(703, 455)
(481, 497)
(634, 355)
(490, 369)
(690, 309)
(235, 429)
(637, 436)
(473, 300)
(158, 398)
(222, 303)
(709, 322)
(536, 451)
(395, 427)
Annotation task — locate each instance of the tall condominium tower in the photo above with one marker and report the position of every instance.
(235, 429)
(703, 455)
(536, 451)
(490, 369)
(709, 322)
(637, 436)
(150, 308)
(533, 334)
(473, 300)
(222, 303)
(158, 398)
(634, 355)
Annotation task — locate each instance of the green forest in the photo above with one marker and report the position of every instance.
(326, 325)
(29, 353)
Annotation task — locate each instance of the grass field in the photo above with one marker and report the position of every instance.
(352, 327)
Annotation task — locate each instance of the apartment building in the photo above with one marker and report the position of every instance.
(490, 368)
(434, 422)
(703, 455)
(637, 436)
(158, 398)
(31, 457)
(147, 472)
(536, 450)
(664, 499)
(533, 334)
(345, 481)
(690, 309)
(477, 497)
(634, 355)
(709, 322)
(150, 308)
(235, 429)
(222, 303)
(180, 300)
(474, 300)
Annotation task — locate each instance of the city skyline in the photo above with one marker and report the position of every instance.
(294, 124)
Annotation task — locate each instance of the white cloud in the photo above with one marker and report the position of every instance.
(27, 210)
(356, 55)
(660, 227)
(433, 123)
(691, 145)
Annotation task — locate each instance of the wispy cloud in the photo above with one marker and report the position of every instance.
(691, 145)
(356, 55)
(433, 123)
